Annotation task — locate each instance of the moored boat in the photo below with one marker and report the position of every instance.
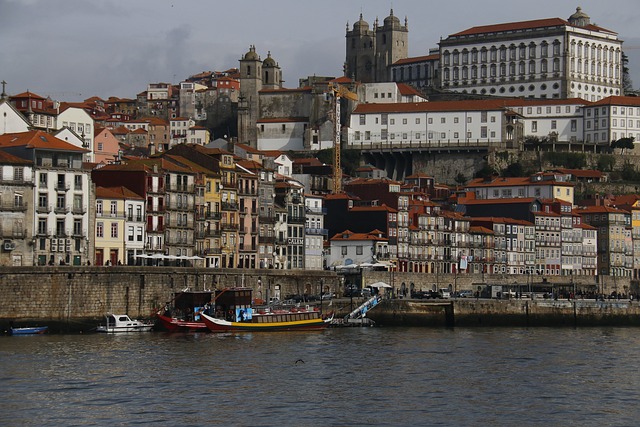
(34, 330)
(115, 323)
(184, 315)
(235, 313)
(290, 321)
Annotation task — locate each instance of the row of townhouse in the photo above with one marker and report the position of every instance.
(539, 230)
(189, 202)
(495, 123)
(207, 203)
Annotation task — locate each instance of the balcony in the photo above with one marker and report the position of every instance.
(14, 207)
(266, 219)
(296, 220)
(61, 186)
(229, 206)
(155, 229)
(212, 215)
(78, 210)
(60, 210)
(266, 239)
(316, 231)
(229, 226)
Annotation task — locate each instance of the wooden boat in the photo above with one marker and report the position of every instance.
(289, 321)
(34, 330)
(184, 315)
(235, 313)
(116, 323)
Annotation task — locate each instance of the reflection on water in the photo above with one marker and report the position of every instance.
(351, 376)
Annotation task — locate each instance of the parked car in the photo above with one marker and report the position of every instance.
(445, 293)
(465, 294)
(327, 296)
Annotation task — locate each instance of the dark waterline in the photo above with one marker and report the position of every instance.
(352, 376)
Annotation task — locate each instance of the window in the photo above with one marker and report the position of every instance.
(344, 250)
(42, 226)
(114, 208)
(114, 230)
(77, 227)
(77, 182)
(363, 119)
(534, 126)
(99, 229)
(358, 250)
(18, 173)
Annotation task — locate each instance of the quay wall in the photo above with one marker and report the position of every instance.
(487, 313)
(73, 298)
(68, 298)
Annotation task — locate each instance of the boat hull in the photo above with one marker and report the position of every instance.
(220, 325)
(176, 325)
(38, 330)
(123, 329)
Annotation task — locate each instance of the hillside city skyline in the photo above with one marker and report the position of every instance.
(180, 48)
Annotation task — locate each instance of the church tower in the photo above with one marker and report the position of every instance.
(271, 74)
(392, 44)
(248, 102)
(360, 43)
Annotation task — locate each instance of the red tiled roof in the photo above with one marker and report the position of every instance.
(407, 90)
(116, 193)
(631, 101)
(37, 139)
(10, 159)
(465, 105)
(417, 59)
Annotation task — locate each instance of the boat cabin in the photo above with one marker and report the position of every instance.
(234, 304)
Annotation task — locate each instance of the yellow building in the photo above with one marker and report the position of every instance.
(110, 225)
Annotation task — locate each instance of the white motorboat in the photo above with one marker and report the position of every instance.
(122, 323)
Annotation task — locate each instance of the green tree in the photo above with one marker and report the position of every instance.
(627, 84)
(623, 143)
(460, 178)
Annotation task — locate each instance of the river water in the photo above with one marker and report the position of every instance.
(337, 377)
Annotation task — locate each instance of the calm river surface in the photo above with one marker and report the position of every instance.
(338, 377)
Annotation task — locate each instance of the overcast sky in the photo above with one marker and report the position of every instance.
(74, 49)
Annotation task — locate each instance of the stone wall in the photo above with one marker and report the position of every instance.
(73, 296)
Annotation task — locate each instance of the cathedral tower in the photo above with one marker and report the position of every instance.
(359, 64)
(392, 44)
(248, 102)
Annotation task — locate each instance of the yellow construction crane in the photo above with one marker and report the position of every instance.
(338, 92)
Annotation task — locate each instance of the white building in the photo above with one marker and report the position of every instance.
(315, 233)
(502, 122)
(612, 118)
(80, 122)
(543, 58)
(389, 93)
(61, 196)
(11, 121)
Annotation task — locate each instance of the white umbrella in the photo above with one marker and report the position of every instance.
(380, 285)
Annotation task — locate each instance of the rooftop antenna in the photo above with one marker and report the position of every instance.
(3, 95)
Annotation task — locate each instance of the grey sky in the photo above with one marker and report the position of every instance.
(75, 49)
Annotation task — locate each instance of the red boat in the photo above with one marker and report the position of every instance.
(185, 315)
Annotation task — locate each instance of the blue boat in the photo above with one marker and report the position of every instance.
(35, 330)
